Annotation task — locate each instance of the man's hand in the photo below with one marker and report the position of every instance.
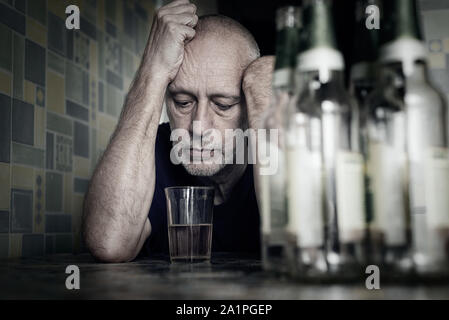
(172, 28)
(257, 86)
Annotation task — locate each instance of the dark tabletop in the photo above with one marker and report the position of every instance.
(226, 277)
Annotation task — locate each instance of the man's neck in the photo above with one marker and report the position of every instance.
(224, 181)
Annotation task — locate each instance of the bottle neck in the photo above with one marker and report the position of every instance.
(318, 25)
(401, 21)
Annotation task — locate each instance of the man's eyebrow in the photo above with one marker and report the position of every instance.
(174, 91)
(226, 96)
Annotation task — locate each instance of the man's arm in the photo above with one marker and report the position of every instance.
(115, 218)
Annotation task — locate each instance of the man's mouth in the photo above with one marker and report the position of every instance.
(201, 154)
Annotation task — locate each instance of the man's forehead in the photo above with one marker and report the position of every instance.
(218, 73)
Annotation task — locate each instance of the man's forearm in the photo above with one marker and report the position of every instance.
(121, 189)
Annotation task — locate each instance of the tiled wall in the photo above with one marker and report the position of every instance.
(61, 92)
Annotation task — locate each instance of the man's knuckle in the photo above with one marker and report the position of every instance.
(159, 14)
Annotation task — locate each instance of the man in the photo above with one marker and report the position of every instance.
(201, 66)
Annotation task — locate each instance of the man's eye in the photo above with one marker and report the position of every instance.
(183, 104)
(223, 107)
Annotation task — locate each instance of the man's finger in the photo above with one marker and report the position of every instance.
(184, 19)
(175, 3)
(184, 8)
(188, 33)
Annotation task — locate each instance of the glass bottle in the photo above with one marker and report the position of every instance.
(389, 226)
(426, 135)
(325, 167)
(272, 170)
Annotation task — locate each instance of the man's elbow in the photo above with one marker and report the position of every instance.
(108, 253)
(104, 248)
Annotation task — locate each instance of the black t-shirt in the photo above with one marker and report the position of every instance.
(235, 222)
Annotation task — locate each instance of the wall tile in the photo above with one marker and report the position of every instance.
(22, 122)
(80, 185)
(22, 177)
(22, 154)
(21, 211)
(55, 93)
(39, 201)
(32, 245)
(64, 151)
(36, 32)
(78, 202)
(63, 243)
(103, 139)
(77, 84)
(93, 98)
(56, 63)
(113, 54)
(81, 140)
(20, 5)
(59, 124)
(69, 44)
(81, 47)
(5, 128)
(93, 150)
(111, 29)
(53, 192)
(50, 151)
(4, 221)
(128, 64)
(93, 59)
(40, 96)
(111, 10)
(6, 52)
(35, 57)
(12, 19)
(5, 83)
(57, 35)
(56, 7)
(114, 79)
(49, 244)
(18, 65)
(58, 223)
(68, 192)
(5, 183)
(88, 28)
(75, 110)
(39, 127)
(37, 9)
(114, 100)
(15, 245)
(4, 245)
(101, 56)
(29, 94)
(100, 96)
(81, 167)
(90, 10)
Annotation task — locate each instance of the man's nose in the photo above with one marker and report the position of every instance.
(201, 119)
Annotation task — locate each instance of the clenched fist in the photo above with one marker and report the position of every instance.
(257, 87)
(173, 26)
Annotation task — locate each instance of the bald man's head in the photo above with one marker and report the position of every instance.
(222, 28)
